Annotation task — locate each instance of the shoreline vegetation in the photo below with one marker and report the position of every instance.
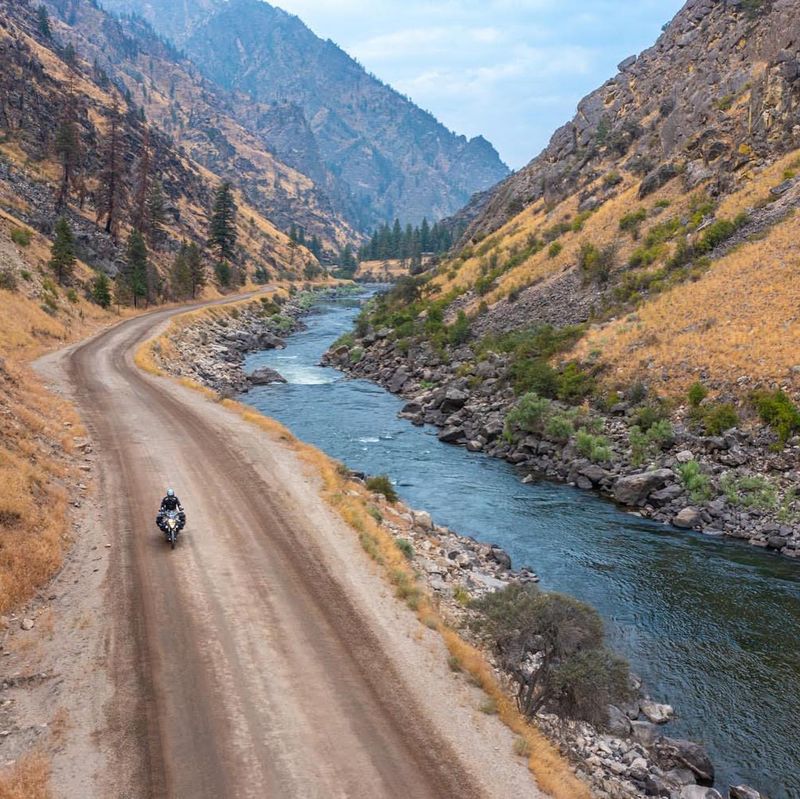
(468, 592)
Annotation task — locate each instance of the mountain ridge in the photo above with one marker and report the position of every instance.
(389, 157)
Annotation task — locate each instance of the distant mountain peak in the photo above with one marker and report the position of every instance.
(384, 156)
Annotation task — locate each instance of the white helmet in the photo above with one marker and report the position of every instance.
(170, 492)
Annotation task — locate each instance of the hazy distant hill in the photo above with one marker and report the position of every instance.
(384, 156)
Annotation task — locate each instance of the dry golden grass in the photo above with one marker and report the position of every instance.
(742, 317)
(352, 501)
(29, 778)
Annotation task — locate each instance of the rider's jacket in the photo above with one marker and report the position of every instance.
(170, 503)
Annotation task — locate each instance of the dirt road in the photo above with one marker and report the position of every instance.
(264, 657)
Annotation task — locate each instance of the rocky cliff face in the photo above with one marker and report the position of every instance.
(716, 96)
(386, 157)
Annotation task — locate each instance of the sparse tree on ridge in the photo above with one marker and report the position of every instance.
(62, 254)
(43, 22)
(156, 215)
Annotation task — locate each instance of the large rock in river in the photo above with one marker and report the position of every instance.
(263, 376)
(635, 488)
(676, 753)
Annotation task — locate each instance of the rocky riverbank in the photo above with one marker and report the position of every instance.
(734, 484)
(632, 758)
(210, 348)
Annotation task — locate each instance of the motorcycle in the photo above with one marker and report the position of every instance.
(171, 523)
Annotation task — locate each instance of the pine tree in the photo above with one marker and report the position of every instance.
(156, 215)
(223, 235)
(62, 253)
(197, 269)
(101, 290)
(142, 185)
(135, 272)
(68, 149)
(181, 275)
(222, 270)
(43, 22)
(113, 194)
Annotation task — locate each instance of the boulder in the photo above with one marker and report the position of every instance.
(743, 792)
(501, 557)
(422, 519)
(635, 488)
(399, 379)
(619, 725)
(677, 753)
(452, 435)
(643, 732)
(688, 518)
(699, 792)
(454, 400)
(263, 376)
(658, 714)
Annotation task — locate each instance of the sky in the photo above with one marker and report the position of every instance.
(511, 70)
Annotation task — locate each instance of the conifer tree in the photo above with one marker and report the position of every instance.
(43, 22)
(223, 236)
(68, 149)
(156, 215)
(113, 193)
(142, 185)
(181, 275)
(62, 253)
(101, 290)
(135, 272)
(197, 269)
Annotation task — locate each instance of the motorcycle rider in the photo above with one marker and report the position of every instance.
(170, 503)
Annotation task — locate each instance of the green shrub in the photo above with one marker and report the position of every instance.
(535, 376)
(405, 546)
(555, 249)
(632, 222)
(574, 384)
(719, 418)
(648, 415)
(560, 427)
(8, 279)
(697, 393)
(718, 233)
(356, 355)
(21, 236)
(381, 484)
(575, 676)
(595, 448)
(458, 332)
(646, 444)
(596, 264)
(529, 415)
(779, 412)
(749, 492)
(694, 481)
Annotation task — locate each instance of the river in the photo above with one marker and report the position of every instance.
(713, 627)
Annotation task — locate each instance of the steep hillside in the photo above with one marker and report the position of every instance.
(622, 313)
(385, 157)
(65, 95)
(714, 98)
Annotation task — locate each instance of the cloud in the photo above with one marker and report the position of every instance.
(512, 70)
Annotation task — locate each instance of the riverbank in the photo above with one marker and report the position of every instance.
(735, 484)
(480, 570)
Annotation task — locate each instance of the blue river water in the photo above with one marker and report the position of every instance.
(711, 626)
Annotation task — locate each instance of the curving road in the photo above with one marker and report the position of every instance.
(244, 665)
